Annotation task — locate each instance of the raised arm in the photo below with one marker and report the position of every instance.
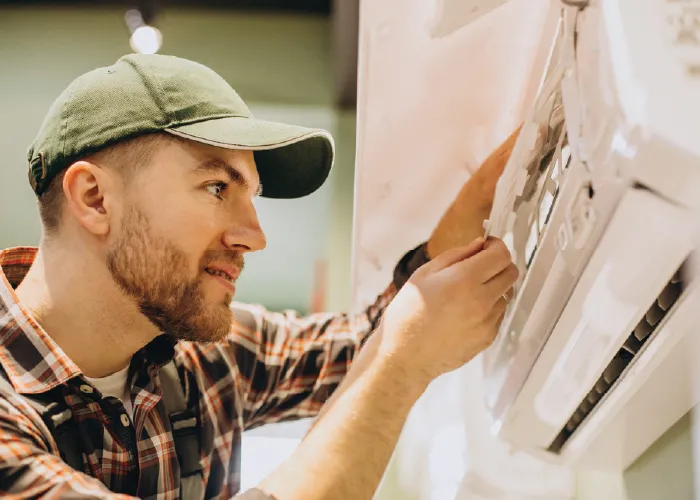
(289, 365)
(448, 313)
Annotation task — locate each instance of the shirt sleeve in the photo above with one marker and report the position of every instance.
(289, 365)
(28, 467)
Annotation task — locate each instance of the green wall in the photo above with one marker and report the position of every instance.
(339, 247)
(665, 470)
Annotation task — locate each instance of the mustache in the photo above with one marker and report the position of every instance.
(224, 257)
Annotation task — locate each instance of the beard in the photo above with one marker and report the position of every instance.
(156, 274)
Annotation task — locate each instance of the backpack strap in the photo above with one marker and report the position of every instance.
(184, 422)
(58, 418)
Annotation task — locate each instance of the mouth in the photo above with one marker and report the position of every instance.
(226, 277)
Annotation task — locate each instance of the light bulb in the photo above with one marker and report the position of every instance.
(146, 40)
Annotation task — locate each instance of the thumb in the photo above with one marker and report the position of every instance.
(454, 255)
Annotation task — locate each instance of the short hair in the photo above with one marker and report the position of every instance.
(126, 157)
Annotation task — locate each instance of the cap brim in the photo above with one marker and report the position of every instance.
(292, 161)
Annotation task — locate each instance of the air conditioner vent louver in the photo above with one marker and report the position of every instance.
(627, 353)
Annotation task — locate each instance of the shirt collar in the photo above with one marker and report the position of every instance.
(34, 363)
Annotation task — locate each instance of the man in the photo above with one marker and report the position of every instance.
(146, 173)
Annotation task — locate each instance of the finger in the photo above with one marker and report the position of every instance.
(499, 321)
(497, 312)
(493, 241)
(502, 283)
(508, 297)
(488, 263)
(450, 257)
(493, 321)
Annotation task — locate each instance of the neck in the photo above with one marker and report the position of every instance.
(75, 300)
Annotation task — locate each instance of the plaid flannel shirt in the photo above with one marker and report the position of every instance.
(272, 367)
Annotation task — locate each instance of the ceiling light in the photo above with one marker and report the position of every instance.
(146, 40)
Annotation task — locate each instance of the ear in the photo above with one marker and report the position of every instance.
(89, 191)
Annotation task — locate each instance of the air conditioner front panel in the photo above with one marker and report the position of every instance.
(561, 255)
(526, 178)
(643, 246)
(659, 387)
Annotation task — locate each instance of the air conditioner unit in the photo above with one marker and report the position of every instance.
(599, 352)
(451, 15)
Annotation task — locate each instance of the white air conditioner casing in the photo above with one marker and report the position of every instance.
(451, 15)
(599, 352)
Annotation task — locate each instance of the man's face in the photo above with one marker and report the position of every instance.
(187, 220)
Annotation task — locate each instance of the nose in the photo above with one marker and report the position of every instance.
(244, 233)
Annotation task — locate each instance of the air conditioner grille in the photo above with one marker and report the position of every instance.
(627, 353)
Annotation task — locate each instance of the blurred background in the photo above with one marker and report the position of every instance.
(285, 58)
(290, 60)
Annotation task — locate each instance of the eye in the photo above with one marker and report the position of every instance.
(216, 188)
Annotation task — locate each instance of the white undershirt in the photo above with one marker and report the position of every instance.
(115, 385)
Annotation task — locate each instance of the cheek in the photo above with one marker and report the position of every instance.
(186, 226)
(194, 233)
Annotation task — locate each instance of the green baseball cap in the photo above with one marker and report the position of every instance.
(142, 94)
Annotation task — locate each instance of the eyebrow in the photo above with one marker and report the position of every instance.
(215, 165)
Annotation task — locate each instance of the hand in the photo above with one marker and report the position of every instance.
(462, 222)
(450, 310)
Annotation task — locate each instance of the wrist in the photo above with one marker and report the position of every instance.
(402, 374)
